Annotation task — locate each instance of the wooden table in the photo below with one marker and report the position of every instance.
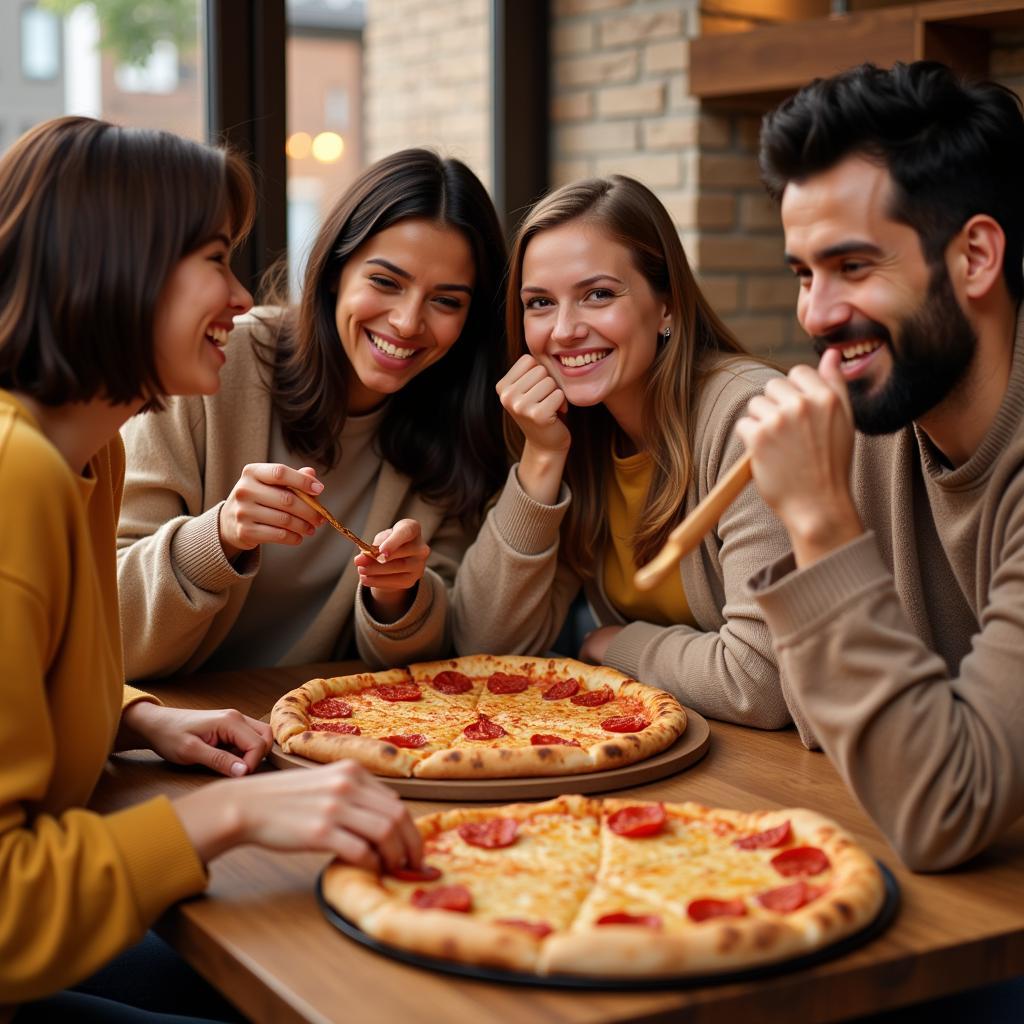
(259, 936)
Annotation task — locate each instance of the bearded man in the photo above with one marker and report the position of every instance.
(899, 616)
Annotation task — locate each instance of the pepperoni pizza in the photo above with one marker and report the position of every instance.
(479, 717)
(616, 888)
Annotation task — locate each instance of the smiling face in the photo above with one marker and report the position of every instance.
(194, 314)
(403, 299)
(591, 318)
(866, 289)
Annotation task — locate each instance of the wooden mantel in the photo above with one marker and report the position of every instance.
(765, 63)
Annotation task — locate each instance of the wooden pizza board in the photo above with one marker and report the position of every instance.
(687, 750)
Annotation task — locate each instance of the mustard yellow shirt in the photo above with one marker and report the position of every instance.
(75, 887)
(666, 605)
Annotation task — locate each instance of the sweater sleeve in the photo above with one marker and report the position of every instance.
(424, 632)
(172, 574)
(937, 761)
(729, 673)
(512, 592)
(75, 888)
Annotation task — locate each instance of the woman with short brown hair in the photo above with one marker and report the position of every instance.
(115, 292)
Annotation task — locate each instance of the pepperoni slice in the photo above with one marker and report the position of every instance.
(483, 729)
(766, 840)
(425, 873)
(788, 898)
(638, 821)
(502, 682)
(559, 691)
(492, 834)
(539, 929)
(625, 723)
(331, 707)
(411, 740)
(405, 691)
(452, 682)
(593, 698)
(621, 917)
(345, 728)
(801, 860)
(705, 909)
(546, 739)
(444, 897)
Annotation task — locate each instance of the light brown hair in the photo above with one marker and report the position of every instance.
(93, 220)
(631, 215)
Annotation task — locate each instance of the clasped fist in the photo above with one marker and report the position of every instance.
(532, 397)
(800, 433)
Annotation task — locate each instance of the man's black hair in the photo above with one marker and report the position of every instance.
(953, 148)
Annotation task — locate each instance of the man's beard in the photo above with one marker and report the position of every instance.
(936, 346)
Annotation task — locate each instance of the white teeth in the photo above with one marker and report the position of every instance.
(388, 349)
(218, 335)
(862, 348)
(582, 360)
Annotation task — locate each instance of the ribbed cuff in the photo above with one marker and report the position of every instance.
(527, 526)
(625, 651)
(162, 863)
(801, 599)
(196, 550)
(132, 696)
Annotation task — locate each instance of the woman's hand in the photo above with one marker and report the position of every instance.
(596, 643)
(261, 510)
(392, 578)
(226, 741)
(532, 397)
(339, 808)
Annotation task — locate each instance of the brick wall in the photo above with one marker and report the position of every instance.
(427, 79)
(620, 103)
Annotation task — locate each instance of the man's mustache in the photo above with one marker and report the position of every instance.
(855, 330)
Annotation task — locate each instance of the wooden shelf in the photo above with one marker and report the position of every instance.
(763, 64)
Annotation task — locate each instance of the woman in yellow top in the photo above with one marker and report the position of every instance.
(115, 291)
(621, 414)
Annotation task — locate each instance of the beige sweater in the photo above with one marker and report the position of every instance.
(180, 596)
(513, 591)
(901, 652)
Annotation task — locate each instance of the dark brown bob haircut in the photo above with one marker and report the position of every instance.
(93, 220)
(443, 428)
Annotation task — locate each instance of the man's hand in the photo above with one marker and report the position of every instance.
(800, 432)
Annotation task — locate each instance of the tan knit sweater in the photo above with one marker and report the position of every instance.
(179, 594)
(901, 652)
(512, 590)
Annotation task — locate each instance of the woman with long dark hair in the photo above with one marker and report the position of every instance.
(375, 396)
(620, 414)
(86, 342)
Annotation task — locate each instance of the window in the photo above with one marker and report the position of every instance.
(40, 44)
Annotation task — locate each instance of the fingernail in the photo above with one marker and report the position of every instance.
(382, 557)
(316, 487)
(238, 768)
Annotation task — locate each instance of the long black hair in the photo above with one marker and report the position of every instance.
(443, 428)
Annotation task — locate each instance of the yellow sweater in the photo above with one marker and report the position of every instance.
(666, 604)
(75, 887)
